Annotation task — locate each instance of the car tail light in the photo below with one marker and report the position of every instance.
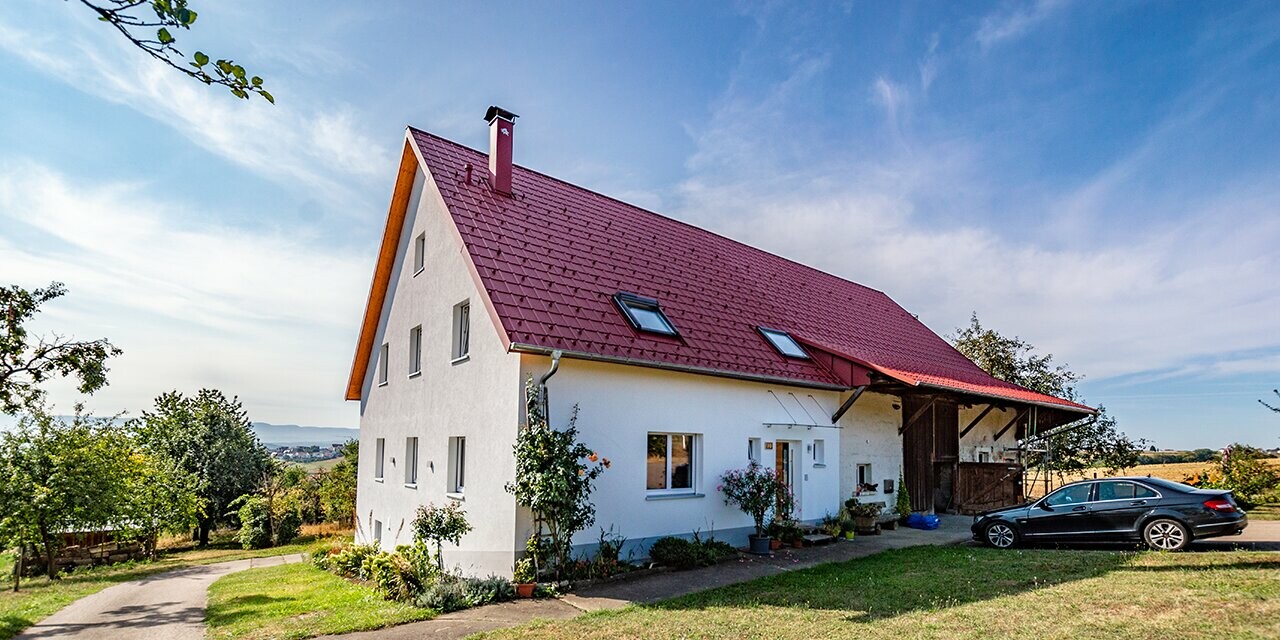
(1220, 504)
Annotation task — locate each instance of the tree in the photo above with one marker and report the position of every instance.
(209, 437)
(440, 525)
(1095, 442)
(554, 476)
(161, 498)
(754, 490)
(338, 486)
(59, 475)
(25, 362)
(134, 19)
(1263, 402)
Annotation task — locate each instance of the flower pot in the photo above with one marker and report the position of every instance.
(525, 589)
(889, 524)
(775, 544)
(799, 544)
(760, 545)
(848, 535)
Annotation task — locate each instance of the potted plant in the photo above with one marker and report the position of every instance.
(524, 578)
(847, 527)
(864, 514)
(756, 491)
(902, 506)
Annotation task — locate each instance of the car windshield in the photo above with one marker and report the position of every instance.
(1169, 484)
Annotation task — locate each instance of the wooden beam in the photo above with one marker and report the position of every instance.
(976, 420)
(1015, 419)
(916, 416)
(857, 392)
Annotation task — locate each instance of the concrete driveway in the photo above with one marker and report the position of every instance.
(165, 606)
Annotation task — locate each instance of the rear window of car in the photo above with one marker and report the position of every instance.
(1169, 484)
(1119, 490)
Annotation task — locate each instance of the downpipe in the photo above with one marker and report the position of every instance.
(544, 400)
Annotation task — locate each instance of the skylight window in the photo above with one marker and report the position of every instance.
(784, 343)
(644, 313)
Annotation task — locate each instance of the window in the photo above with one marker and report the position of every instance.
(1074, 494)
(1124, 491)
(984, 456)
(461, 330)
(377, 531)
(784, 343)
(864, 475)
(382, 363)
(753, 450)
(419, 253)
(411, 461)
(644, 314)
(415, 350)
(819, 453)
(379, 453)
(670, 462)
(457, 464)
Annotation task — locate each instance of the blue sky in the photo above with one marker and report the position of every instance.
(1098, 178)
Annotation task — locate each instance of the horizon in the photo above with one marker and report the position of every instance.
(1099, 180)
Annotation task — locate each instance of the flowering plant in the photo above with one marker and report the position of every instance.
(757, 491)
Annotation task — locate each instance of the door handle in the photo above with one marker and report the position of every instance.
(1137, 502)
(1080, 508)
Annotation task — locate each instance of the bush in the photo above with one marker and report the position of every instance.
(757, 491)
(488, 590)
(255, 523)
(288, 528)
(440, 525)
(346, 560)
(444, 595)
(679, 553)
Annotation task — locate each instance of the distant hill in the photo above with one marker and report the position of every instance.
(292, 434)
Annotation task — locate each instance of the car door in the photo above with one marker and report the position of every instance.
(1061, 514)
(1118, 506)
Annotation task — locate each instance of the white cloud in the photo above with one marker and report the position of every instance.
(260, 314)
(313, 148)
(1014, 22)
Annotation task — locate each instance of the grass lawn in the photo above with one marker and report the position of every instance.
(40, 597)
(1265, 512)
(298, 601)
(961, 592)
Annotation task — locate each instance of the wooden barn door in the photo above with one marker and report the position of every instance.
(917, 452)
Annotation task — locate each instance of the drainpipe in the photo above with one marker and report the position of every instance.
(542, 385)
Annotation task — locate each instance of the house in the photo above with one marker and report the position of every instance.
(687, 353)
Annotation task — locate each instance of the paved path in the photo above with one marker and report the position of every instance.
(1260, 535)
(165, 606)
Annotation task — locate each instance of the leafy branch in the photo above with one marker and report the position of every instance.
(171, 15)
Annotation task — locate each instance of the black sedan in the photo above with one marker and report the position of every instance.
(1165, 515)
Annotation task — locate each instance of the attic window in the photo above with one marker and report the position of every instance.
(644, 313)
(784, 343)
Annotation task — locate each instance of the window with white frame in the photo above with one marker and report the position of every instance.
(383, 352)
(419, 253)
(411, 461)
(753, 449)
(461, 330)
(377, 531)
(819, 452)
(415, 350)
(671, 463)
(379, 454)
(864, 475)
(457, 464)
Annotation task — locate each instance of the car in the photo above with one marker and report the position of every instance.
(1165, 515)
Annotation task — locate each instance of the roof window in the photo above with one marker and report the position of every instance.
(644, 313)
(784, 343)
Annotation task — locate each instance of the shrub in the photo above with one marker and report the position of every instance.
(347, 561)
(444, 595)
(524, 573)
(1243, 471)
(488, 590)
(679, 553)
(903, 504)
(255, 522)
(440, 525)
(757, 491)
(288, 528)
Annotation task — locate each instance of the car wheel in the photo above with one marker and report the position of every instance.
(1000, 535)
(1166, 535)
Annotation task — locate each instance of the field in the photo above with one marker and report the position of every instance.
(964, 592)
(1177, 472)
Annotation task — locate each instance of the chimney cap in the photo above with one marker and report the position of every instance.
(498, 112)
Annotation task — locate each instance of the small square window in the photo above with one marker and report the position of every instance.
(784, 343)
(411, 461)
(457, 464)
(644, 314)
(461, 330)
(382, 363)
(415, 350)
(379, 455)
(419, 253)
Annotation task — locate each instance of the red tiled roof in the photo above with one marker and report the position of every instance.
(552, 257)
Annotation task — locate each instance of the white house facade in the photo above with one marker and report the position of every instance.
(485, 274)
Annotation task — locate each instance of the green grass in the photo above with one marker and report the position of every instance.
(962, 592)
(40, 597)
(298, 601)
(1265, 512)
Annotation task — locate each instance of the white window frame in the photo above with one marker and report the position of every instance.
(377, 531)
(420, 253)
(754, 447)
(411, 461)
(695, 465)
(383, 366)
(457, 465)
(859, 477)
(461, 348)
(819, 453)
(415, 351)
(379, 459)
